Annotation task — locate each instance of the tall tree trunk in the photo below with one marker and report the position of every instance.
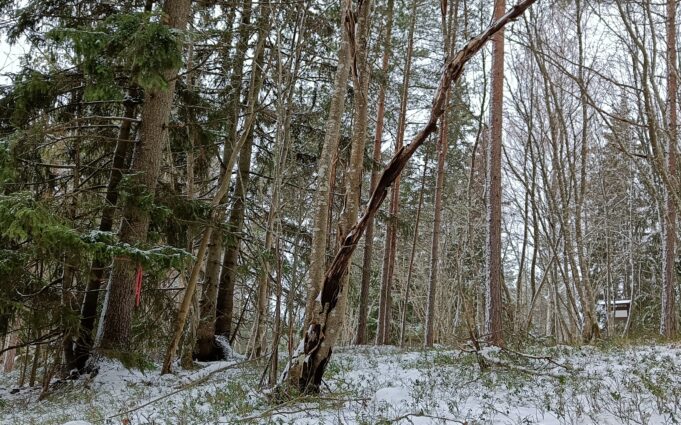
(218, 213)
(493, 308)
(306, 368)
(361, 336)
(281, 145)
(225, 305)
(668, 323)
(407, 284)
(119, 164)
(442, 142)
(329, 149)
(359, 32)
(202, 320)
(88, 311)
(448, 32)
(120, 296)
(187, 356)
(71, 265)
(225, 301)
(384, 305)
(590, 329)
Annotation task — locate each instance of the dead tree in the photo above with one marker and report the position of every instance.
(306, 368)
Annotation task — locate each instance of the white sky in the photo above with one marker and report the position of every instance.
(10, 57)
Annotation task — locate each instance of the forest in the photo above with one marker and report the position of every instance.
(339, 211)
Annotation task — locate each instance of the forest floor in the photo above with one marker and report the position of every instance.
(367, 385)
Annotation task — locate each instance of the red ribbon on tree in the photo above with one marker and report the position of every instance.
(138, 285)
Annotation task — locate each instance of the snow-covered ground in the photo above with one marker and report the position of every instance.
(367, 385)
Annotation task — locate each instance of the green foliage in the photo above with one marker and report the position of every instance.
(23, 219)
(135, 41)
(32, 91)
(7, 168)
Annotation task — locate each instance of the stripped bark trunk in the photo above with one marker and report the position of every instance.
(358, 27)
(305, 370)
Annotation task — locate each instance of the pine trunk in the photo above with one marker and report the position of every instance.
(493, 307)
(225, 301)
(361, 336)
(668, 325)
(88, 312)
(385, 301)
(116, 319)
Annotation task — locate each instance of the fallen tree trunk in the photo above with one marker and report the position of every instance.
(305, 369)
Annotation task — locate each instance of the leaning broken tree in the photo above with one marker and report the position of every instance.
(306, 367)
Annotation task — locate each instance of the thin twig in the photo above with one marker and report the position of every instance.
(184, 387)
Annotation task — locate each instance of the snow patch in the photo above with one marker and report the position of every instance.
(393, 395)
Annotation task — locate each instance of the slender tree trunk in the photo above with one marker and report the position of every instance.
(405, 307)
(361, 337)
(34, 366)
(429, 337)
(442, 145)
(668, 323)
(276, 332)
(225, 294)
(493, 307)
(591, 329)
(281, 146)
(120, 296)
(225, 305)
(389, 252)
(203, 318)
(329, 149)
(305, 370)
(71, 263)
(217, 215)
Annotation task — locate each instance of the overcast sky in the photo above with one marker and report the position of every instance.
(10, 57)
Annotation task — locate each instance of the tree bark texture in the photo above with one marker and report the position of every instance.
(668, 325)
(493, 275)
(145, 168)
(329, 149)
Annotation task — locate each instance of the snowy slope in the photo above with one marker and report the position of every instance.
(366, 385)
